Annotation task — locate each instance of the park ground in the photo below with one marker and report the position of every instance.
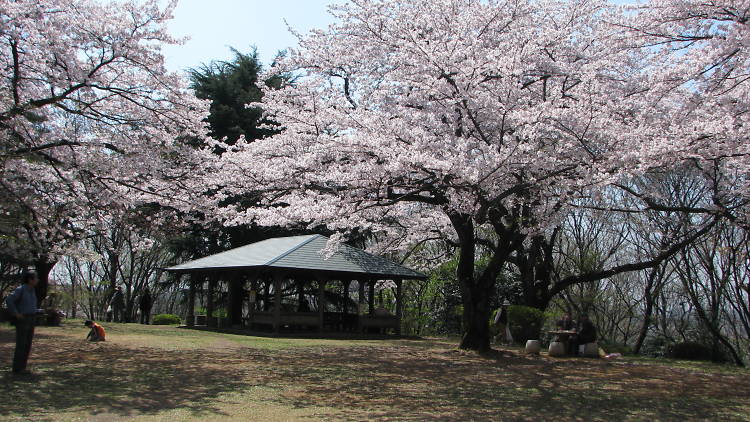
(164, 373)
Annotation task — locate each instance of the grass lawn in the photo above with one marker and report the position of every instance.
(161, 373)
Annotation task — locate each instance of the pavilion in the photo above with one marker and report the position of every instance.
(283, 274)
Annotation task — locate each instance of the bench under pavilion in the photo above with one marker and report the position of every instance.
(312, 291)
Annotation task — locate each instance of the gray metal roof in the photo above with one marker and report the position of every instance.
(300, 253)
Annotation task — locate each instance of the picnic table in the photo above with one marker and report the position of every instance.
(562, 335)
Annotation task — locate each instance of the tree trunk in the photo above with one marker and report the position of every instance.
(475, 299)
(476, 318)
(129, 305)
(73, 306)
(718, 336)
(43, 267)
(535, 265)
(710, 324)
(649, 309)
(114, 266)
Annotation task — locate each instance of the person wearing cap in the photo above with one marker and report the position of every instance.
(97, 331)
(22, 303)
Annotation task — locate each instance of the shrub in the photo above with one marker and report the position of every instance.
(692, 350)
(167, 319)
(525, 322)
(655, 346)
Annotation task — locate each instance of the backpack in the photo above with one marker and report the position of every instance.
(7, 315)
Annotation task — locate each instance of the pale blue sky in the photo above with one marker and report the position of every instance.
(216, 25)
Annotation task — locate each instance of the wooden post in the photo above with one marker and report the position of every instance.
(210, 320)
(277, 278)
(399, 306)
(253, 304)
(345, 295)
(371, 298)
(361, 301)
(266, 295)
(190, 317)
(321, 302)
(236, 290)
(301, 303)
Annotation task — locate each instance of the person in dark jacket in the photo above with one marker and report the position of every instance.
(145, 306)
(22, 304)
(566, 323)
(118, 305)
(586, 332)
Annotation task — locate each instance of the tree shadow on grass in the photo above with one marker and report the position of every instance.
(383, 382)
(103, 378)
(450, 385)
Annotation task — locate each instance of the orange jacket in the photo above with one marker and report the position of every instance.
(99, 331)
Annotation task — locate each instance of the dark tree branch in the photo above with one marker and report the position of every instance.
(598, 275)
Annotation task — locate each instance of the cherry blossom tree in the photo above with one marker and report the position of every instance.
(92, 123)
(478, 123)
(700, 55)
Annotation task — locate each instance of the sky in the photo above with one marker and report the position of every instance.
(215, 25)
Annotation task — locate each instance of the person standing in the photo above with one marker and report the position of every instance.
(501, 325)
(22, 304)
(145, 306)
(118, 305)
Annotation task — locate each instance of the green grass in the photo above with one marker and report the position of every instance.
(173, 338)
(693, 365)
(164, 373)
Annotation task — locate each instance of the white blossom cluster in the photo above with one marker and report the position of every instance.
(408, 116)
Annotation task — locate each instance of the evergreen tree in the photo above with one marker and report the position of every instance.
(230, 86)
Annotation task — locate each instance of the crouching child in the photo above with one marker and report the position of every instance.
(97, 331)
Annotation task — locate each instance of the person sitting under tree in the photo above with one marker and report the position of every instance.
(586, 333)
(566, 323)
(97, 331)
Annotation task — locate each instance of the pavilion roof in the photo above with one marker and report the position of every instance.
(300, 254)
